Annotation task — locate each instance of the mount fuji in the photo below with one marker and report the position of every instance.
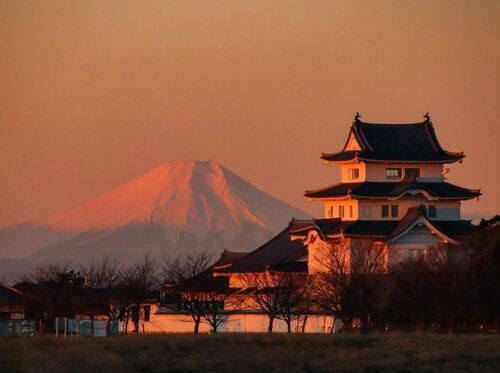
(178, 207)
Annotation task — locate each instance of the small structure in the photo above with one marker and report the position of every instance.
(14, 312)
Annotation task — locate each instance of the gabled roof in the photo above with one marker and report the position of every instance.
(13, 297)
(273, 253)
(409, 142)
(393, 190)
(451, 230)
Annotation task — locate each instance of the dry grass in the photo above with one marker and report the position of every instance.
(254, 353)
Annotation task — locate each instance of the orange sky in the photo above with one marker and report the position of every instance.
(94, 93)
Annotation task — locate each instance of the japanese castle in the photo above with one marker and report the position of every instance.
(393, 192)
(393, 189)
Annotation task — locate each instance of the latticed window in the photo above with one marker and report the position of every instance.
(412, 172)
(393, 173)
(394, 211)
(353, 173)
(416, 254)
(385, 211)
(147, 313)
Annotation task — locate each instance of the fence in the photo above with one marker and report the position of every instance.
(17, 328)
(86, 328)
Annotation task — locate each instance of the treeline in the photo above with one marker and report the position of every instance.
(106, 287)
(451, 289)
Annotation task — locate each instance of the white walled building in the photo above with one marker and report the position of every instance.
(393, 190)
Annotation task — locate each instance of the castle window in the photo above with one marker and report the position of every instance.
(416, 254)
(367, 211)
(394, 211)
(341, 211)
(147, 313)
(393, 173)
(431, 210)
(353, 173)
(331, 211)
(350, 211)
(412, 172)
(385, 211)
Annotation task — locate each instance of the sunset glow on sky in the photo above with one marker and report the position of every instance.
(95, 93)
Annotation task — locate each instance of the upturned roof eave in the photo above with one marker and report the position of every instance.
(357, 130)
(394, 194)
(388, 198)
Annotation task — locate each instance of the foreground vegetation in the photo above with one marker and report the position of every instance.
(253, 353)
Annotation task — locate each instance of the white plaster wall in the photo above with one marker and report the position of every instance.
(377, 172)
(352, 143)
(316, 249)
(167, 323)
(417, 238)
(347, 209)
(344, 172)
(445, 210)
(429, 172)
(237, 323)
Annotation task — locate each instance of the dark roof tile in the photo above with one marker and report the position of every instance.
(273, 252)
(393, 189)
(12, 296)
(415, 142)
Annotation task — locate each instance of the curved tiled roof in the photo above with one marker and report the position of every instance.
(410, 142)
(272, 253)
(455, 229)
(335, 226)
(382, 229)
(442, 190)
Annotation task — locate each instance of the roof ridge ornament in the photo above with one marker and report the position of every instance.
(427, 117)
(357, 116)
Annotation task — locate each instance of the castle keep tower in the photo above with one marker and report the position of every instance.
(393, 190)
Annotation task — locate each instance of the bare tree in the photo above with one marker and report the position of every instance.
(104, 279)
(206, 306)
(103, 274)
(280, 295)
(139, 283)
(47, 273)
(59, 288)
(202, 296)
(179, 269)
(351, 282)
(430, 290)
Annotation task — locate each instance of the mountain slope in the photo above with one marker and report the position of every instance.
(189, 195)
(178, 207)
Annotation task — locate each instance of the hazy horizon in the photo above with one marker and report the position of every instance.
(97, 93)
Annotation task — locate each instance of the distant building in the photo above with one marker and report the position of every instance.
(15, 312)
(393, 192)
(14, 304)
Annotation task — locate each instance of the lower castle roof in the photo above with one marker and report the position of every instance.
(381, 229)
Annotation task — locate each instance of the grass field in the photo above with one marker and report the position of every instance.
(254, 353)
